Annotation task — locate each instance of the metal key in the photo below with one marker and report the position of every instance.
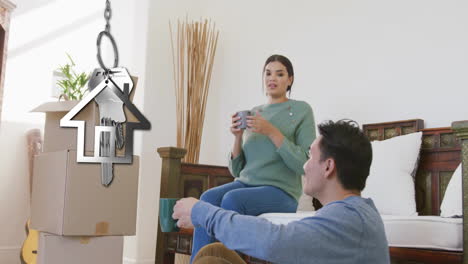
(111, 114)
(107, 173)
(99, 76)
(110, 104)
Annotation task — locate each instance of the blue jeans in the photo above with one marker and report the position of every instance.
(244, 199)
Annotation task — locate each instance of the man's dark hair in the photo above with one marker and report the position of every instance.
(345, 143)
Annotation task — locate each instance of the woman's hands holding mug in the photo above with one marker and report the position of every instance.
(237, 132)
(260, 125)
(255, 123)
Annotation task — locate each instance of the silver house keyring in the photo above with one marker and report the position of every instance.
(110, 89)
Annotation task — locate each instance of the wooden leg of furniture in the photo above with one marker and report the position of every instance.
(160, 247)
(169, 258)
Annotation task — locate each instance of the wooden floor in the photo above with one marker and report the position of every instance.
(182, 259)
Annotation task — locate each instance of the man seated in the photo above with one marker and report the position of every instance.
(347, 229)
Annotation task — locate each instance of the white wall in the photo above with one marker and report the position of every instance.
(367, 60)
(160, 109)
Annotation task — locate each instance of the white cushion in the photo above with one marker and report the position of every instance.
(452, 202)
(403, 231)
(305, 202)
(424, 232)
(390, 184)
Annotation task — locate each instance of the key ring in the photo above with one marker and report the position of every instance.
(114, 45)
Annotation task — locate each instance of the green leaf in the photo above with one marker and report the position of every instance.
(73, 84)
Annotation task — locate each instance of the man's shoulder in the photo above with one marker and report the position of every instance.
(350, 207)
(339, 211)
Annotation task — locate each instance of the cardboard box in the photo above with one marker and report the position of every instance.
(58, 138)
(54, 249)
(69, 199)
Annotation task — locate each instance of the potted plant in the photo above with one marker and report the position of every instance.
(71, 83)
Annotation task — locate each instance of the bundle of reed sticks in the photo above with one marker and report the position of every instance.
(193, 51)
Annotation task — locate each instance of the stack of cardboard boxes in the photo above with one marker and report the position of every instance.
(79, 219)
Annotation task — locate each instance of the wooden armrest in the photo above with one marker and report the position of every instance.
(186, 231)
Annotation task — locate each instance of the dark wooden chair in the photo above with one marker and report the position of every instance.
(440, 155)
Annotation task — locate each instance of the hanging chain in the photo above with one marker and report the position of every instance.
(108, 15)
(106, 33)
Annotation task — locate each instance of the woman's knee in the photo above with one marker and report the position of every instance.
(233, 201)
(212, 196)
(258, 200)
(216, 194)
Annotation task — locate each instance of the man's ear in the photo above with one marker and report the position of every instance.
(330, 167)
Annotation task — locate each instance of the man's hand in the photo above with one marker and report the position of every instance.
(183, 212)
